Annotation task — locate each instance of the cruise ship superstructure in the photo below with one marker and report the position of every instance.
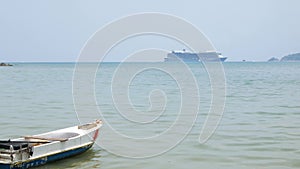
(186, 56)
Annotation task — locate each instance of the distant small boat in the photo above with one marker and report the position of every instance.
(32, 151)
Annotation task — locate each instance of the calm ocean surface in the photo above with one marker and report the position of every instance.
(260, 127)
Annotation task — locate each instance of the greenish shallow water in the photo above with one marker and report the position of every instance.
(260, 127)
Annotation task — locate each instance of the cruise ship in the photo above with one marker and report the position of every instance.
(186, 56)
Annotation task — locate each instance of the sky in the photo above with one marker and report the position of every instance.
(56, 30)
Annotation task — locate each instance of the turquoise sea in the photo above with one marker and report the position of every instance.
(260, 127)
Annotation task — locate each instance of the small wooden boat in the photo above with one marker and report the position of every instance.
(31, 151)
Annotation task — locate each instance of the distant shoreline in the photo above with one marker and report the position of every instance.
(5, 64)
(32, 62)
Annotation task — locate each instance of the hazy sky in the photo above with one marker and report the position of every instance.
(56, 30)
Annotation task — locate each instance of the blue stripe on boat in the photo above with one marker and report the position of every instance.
(44, 160)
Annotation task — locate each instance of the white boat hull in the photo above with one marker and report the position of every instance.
(62, 144)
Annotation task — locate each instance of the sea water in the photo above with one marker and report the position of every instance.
(260, 126)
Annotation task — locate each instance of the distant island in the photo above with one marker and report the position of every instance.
(273, 59)
(288, 58)
(291, 58)
(5, 64)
